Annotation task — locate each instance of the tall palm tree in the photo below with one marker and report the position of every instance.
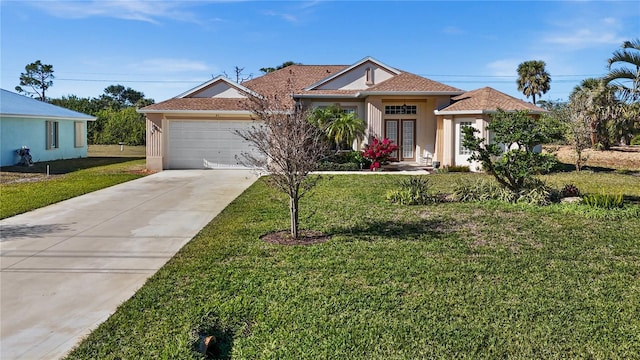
(626, 78)
(533, 78)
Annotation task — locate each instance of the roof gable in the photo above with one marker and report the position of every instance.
(354, 77)
(16, 105)
(407, 82)
(219, 87)
(297, 77)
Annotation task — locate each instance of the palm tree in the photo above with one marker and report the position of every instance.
(533, 78)
(341, 128)
(345, 129)
(624, 76)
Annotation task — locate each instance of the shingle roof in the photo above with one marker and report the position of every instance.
(298, 77)
(12, 104)
(301, 76)
(198, 104)
(408, 82)
(488, 99)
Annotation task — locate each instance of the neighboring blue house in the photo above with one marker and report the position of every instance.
(51, 132)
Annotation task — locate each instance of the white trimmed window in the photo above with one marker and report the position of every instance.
(463, 150)
(400, 109)
(52, 128)
(78, 134)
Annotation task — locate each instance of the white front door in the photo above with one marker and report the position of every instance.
(462, 154)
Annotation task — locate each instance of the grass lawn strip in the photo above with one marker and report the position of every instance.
(71, 178)
(455, 280)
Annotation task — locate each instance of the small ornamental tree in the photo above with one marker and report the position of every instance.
(519, 133)
(379, 152)
(286, 145)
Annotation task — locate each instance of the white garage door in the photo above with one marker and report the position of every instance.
(206, 144)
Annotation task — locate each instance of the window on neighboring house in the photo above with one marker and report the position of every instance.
(52, 135)
(400, 109)
(463, 150)
(79, 134)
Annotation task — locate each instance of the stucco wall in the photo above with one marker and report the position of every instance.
(158, 136)
(355, 78)
(16, 132)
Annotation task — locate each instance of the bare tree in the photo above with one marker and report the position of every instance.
(286, 145)
(576, 125)
(238, 73)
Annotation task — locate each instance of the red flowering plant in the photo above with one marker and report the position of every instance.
(378, 151)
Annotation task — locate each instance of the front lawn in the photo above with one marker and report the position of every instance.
(454, 280)
(24, 189)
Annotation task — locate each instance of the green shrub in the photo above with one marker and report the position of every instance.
(332, 166)
(635, 140)
(414, 190)
(570, 190)
(347, 157)
(458, 168)
(481, 190)
(536, 192)
(533, 192)
(604, 201)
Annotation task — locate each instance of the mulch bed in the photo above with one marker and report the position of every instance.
(305, 237)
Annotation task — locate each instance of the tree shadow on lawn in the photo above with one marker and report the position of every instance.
(58, 167)
(564, 168)
(406, 230)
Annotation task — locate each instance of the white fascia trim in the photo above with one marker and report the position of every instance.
(216, 79)
(409, 93)
(459, 112)
(479, 112)
(325, 96)
(23, 116)
(349, 68)
(200, 112)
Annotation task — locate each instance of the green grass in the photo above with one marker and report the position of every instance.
(114, 150)
(454, 280)
(70, 178)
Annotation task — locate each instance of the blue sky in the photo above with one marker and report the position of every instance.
(164, 48)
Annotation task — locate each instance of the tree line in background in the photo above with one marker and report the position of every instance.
(117, 120)
(600, 112)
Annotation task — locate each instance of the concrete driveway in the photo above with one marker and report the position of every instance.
(67, 267)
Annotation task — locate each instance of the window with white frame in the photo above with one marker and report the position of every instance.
(400, 109)
(78, 134)
(52, 128)
(463, 150)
